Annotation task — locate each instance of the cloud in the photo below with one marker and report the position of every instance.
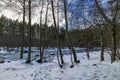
(36, 15)
(9, 14)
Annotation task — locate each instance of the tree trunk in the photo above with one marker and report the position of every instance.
(29, 40)
(59, 41)
(45, 33)
(88, 45)
(113, 55)
(56, 32)
(61, 55)
(40, 35)
(58, 59)
(88, 56)
(102, 47)
(23, 43)
(67, 33)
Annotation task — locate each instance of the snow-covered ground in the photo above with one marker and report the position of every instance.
(91, 69)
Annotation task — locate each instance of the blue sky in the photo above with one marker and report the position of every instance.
(35, 18)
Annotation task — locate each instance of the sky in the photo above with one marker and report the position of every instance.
(9, 14)
(35, 18)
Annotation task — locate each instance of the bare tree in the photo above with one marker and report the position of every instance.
(23, 26)
(112, 23)
(45, 33)
(29, 40)
(56, 32)
(40, 34)
(67, 33)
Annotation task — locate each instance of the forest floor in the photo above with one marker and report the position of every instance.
(91, 69)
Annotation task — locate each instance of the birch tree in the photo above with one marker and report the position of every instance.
(112, 22)
(67, 33)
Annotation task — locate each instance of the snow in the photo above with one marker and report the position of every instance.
(91, 69)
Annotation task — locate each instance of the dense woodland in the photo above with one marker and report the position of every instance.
(87, 23)
(11, 32)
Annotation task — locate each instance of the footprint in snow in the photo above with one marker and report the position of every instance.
(105, 76)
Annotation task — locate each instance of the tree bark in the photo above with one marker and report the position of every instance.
(40, 35)
(29, 40)
(67, 33)
(22, 42)
(113, 55)
(56, 32)
(102, 47)
(45, 33)
(113, 24)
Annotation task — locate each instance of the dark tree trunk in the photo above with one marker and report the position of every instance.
(102, 47)
(113, 55)
(59, 41)
(40, 35)
(29, 40)
(22, 42)
(61, 55)
(88, 56)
